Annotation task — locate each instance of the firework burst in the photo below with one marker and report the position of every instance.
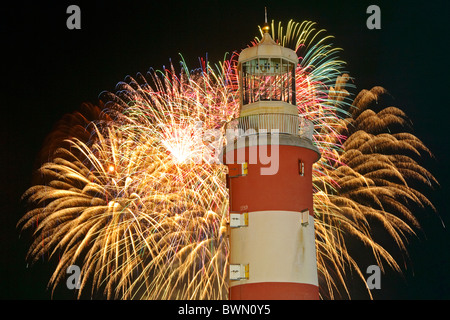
(137, 198)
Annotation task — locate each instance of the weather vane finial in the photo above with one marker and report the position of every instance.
(266, 27)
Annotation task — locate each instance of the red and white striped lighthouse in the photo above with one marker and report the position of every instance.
(270, 154)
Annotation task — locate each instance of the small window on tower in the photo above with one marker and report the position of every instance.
(301, 167)
(304, 217)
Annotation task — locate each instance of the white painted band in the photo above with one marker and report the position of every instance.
(277, 248)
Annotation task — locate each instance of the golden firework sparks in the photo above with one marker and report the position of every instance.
(138, 200)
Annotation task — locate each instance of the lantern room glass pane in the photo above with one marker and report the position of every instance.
(268, 79)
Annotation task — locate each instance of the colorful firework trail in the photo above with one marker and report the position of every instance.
(136, 197)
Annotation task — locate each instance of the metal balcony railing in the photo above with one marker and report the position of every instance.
(267, 122)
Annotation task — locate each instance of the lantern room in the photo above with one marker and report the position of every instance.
(267, 74)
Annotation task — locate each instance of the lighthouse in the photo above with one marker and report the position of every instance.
(270, 154)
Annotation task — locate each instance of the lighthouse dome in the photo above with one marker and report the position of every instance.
(268, 48)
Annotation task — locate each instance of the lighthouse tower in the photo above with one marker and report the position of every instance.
(270, 154)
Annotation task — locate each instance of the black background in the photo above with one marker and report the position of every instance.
(48, 70)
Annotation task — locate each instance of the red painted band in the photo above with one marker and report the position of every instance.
(274, 291)
(286, 190)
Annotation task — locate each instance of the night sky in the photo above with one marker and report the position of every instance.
(51, 70)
